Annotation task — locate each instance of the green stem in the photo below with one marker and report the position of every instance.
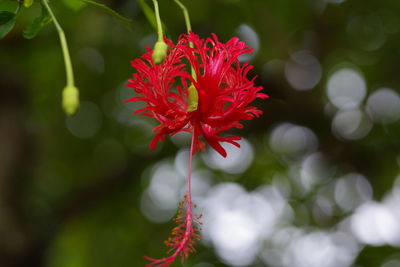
(64, 46)
(188, 27)
(18, 8)
(185, 14)
(158, 19)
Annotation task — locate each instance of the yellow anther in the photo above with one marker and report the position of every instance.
(193, 98)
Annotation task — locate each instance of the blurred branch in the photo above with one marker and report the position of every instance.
(15, 240)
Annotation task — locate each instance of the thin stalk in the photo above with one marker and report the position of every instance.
(188, 28)
(158, 19)
(185, 14)
(18, 9)
(64, 46)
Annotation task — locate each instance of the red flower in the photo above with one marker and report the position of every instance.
(202, 88)
(224, 92)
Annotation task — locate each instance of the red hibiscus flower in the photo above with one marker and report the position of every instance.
(202, 88)
(224, 92)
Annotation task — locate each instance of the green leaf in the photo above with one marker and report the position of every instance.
(127, 22)
(32, 30)
(11, 6)
(6, 16)
(7, 22)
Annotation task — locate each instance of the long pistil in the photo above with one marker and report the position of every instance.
(184, 235)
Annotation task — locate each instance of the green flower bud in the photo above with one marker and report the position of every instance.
(70, 100)
(159, 52)
(28, 3)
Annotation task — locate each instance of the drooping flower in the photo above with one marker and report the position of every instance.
(223, 89)
(202, 88)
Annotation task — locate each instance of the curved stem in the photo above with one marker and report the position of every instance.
(185, 14)
(158, 19)
(64, 46)
(188, 28)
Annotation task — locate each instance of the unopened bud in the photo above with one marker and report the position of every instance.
(70, 100)
(159, 52)
(28, 3)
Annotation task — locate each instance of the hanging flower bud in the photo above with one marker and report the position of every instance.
(28, 3)
(159, 52)
(70, 100)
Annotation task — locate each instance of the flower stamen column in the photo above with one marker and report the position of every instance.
(186, 233)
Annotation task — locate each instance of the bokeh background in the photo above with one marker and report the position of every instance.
(315, 184)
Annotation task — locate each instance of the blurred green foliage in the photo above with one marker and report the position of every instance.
(71, 188)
